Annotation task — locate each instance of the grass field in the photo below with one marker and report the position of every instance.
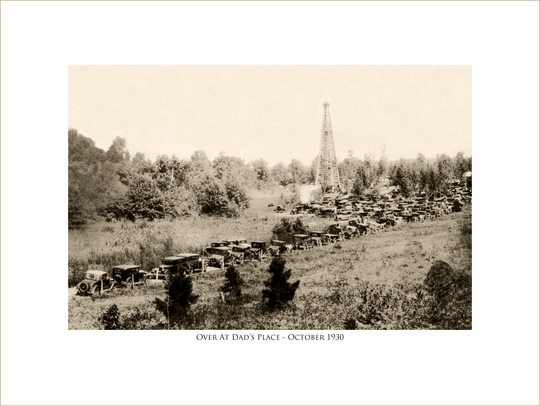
(334, 279)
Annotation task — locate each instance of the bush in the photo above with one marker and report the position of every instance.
(233, 282)
(179, 298)
(140, 318)
(110, 320)
(452, 291)
(279, 291)
(289, 225)
(395, 307)
(350, 324)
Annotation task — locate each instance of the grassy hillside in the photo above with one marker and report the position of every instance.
(369, 282)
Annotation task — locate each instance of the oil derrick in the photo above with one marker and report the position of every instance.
(327, 169)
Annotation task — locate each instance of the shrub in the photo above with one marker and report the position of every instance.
(233, 282)
(279, 291)
(110, 320)
(288, 225)
(142, 317)
(350, 324)
(179, 297)
(452, 292)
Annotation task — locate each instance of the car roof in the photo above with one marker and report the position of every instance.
(221, 248)
(187, 254)
(301, 235)
(124, 267)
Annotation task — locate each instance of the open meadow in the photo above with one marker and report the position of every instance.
(374, 281)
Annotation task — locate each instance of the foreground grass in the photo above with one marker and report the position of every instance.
(333, 280)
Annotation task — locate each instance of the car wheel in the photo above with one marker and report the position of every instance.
(96, 290)
(190, 270)
(83, 287)
(129, 285)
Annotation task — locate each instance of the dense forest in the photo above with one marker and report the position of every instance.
(113, 185)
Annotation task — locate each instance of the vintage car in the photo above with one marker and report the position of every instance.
(297, 209)
(242, 253)
(208, 251)
(156, 276)
(337, 231)
(363, 228)
(171, 265)
(130, 275)
(315, 208)
(351, 232)
(95, 282)
(220, 244)
(342, 216)
(270, 204)
(319, 238)
(278, 247)
(375, 227)
(191, 262)
(329, 211)
(220, 257)
(331, 238)
(302, 242)
(238, 241)
(259, 249)
(279, 209)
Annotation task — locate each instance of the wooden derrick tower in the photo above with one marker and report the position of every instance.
(327, 169)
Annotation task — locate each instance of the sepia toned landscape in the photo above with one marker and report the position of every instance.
(227, 243)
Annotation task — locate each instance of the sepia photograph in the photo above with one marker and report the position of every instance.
(270, 197)
(270, 202)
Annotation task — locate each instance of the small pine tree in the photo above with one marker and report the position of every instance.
(233, 282)
(110, 320)
(179, 298)
(279, 291)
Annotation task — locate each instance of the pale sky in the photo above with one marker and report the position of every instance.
(274, 112)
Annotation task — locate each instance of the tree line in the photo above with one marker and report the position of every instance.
(410, 176)
(114, 185)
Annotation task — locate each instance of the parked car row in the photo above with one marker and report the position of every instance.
(345, 207)
(96, 282)
(221, 254)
